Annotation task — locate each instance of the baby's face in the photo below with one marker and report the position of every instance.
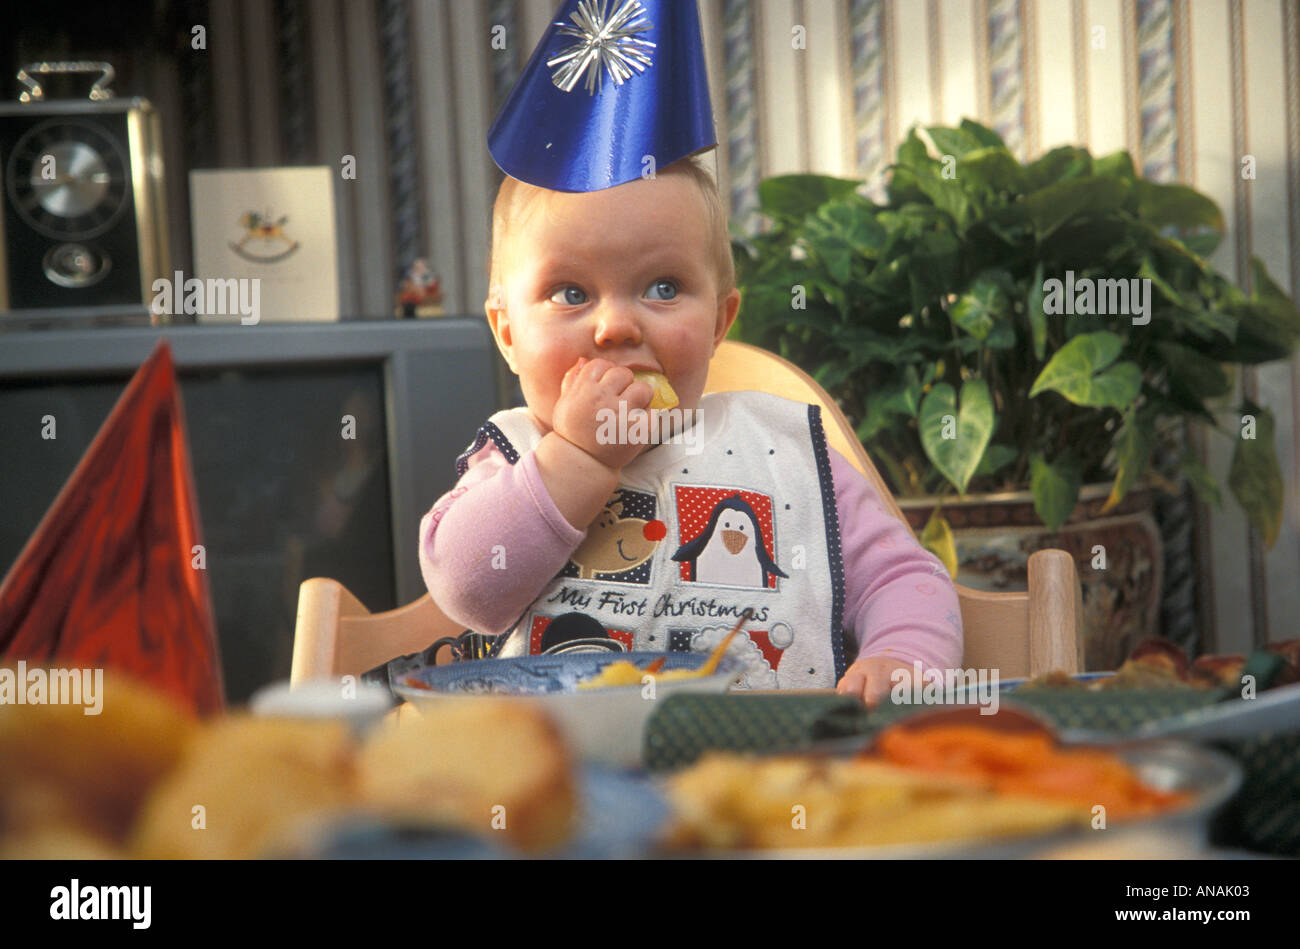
(623, 274)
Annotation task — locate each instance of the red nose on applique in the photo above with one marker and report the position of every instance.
(655, 530)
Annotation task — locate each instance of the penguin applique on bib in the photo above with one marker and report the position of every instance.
(730, 550)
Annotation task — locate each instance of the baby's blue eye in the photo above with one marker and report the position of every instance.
(572, 296)
(667, 286)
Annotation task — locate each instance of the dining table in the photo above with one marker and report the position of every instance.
(1260, 737)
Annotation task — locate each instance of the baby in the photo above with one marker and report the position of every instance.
(564, 537)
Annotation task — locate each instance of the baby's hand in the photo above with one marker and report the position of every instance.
(588, 387)
(872, 677)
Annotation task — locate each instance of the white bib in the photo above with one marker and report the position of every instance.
(696, 533)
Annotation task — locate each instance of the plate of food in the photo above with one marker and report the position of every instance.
(600, 700)
(950, 788)
(1159, 692)
(1158, 663)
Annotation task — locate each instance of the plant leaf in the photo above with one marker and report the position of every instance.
(1178, 206)
(1060, 164)
(1212, 326)
(1148, 272)
(1010, 222)
(982, 134)
(842, 229)
(947, 195)
(1133, 450)
(1204, 243)
(1055, 487)
(937, 538)
(996, 457)
(855, 217)
(950, 141)
(863, 346)
(1078, 371)
(1053, 206)
(884, 405)
(1034, 310)
(1202, 482)
(1193, 376)
(981, 307)
(831, 374)
(1255, 478)
(992, 169)
(1268, 323)
(912, 152)
(958, 457)
(796, 196)
(1116, 164)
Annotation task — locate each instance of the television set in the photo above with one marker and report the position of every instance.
(283, 495)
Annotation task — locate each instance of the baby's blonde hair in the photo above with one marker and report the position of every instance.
(515, 199)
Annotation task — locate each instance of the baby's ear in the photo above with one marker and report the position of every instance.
(499, 322)
(728, 308)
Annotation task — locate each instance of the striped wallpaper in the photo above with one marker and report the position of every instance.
(1189, 87)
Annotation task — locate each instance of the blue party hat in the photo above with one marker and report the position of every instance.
(611, 82)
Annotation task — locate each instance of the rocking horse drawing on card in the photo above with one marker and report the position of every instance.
(264, 240)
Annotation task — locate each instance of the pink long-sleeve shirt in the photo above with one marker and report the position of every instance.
(899, 600)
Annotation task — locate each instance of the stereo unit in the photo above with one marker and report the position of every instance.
(83, 233)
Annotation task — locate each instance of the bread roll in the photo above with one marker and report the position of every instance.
(493, 767)
(88, 773)
(264, 784)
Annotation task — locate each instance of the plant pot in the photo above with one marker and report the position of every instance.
(996, 533)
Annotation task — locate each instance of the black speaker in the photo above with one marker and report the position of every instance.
(83, 229)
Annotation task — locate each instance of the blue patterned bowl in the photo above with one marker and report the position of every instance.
(604, 725)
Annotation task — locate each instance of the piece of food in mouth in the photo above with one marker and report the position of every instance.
(664, 397)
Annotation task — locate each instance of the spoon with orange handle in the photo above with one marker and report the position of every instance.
(622, 672)
(710, 665)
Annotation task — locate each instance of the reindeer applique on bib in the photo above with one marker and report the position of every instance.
(697, 532)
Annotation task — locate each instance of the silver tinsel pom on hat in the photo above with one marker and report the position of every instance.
(606, 43)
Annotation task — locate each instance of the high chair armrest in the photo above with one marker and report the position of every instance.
(323, 604)
(1055, 613)
(337, 636)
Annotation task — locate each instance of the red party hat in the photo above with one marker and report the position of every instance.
(111, 577)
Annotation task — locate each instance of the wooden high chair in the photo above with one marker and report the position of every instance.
(1018, 634)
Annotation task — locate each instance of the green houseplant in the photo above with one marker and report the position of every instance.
(968, 326)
